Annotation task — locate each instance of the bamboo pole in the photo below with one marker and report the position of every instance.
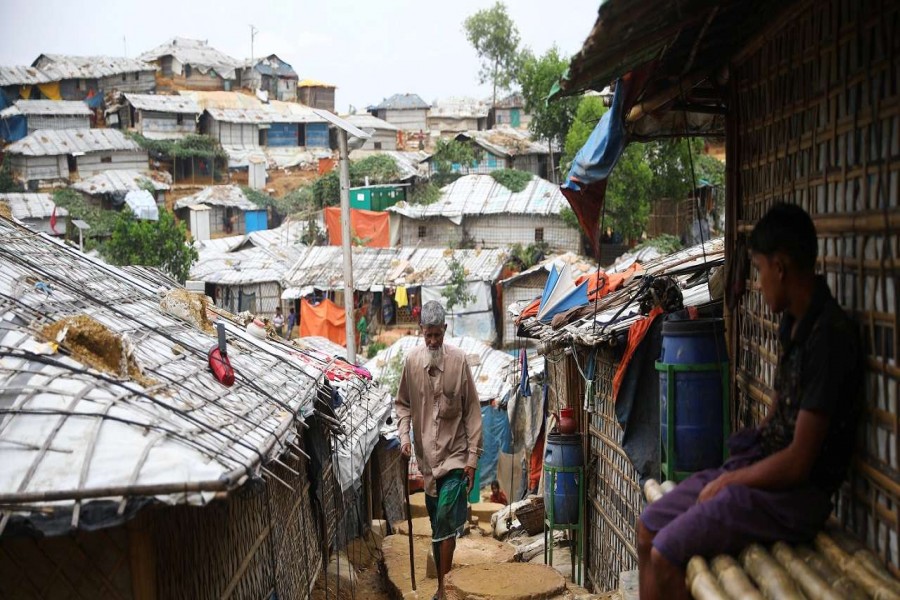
(733, 579)
(813, 586)
(877, 587)
(701, 582)
(836, 579)
(772, 579)
(652, 491)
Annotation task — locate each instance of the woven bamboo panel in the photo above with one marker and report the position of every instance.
(816, 107)
(388, 484)
(613, 489)
(84, 565)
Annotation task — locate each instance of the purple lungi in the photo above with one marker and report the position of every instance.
(737, 516)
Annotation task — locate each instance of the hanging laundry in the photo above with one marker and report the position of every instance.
(400, 297)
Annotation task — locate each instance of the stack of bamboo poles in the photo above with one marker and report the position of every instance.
(834, 567)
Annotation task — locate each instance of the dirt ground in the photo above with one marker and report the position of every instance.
(369, 586)
(281, 183)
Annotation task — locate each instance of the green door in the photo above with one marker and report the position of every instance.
(515, 119)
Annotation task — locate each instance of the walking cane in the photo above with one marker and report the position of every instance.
(412, 566)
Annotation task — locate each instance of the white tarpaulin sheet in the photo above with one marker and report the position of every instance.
(142, 204)
(475, 319)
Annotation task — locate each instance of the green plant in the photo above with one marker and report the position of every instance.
(392, 373)
(457, 290)
(512, 179)
(8, 183)
(427, 193)
(451, 152)
(374, 348)
(378, 168)
(526, 257)
(496, 41)
(101, 222)
(665, 243)
(155, 243)
(190, 146)
(537, 76)
(569, 218)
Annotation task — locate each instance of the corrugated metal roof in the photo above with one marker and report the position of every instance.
(196, 53)
(314, 83)
(218, 195)
(170, 432)
(254, 265)
(19, 75)
(164, 104)
(31, 206)
(495, 372)
(403, 102)
(61, 66)
(472, 195)
(321, 267)
(49, 142)
(48, 108)
(408, 163)
(459, 108)
(117, 181)
(507, 141)
(367, 121)
(235, 107)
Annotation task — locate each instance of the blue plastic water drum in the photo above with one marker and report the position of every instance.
(699, 427)
(563, 451)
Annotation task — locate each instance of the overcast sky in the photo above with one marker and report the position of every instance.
(369, 49)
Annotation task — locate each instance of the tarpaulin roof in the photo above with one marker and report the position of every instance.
(507, 141)
(253, 265)
(367, 121)
(164, 104)
(197, 53)
(272, 65)
(218, 195)
(118, 182)
(459, 108)
(314, 83)
(48, 108)
(474, 195)
(51, 142)
(31, 206)
(142, 204)
(62, 66)
(79, 428)
(321, 267)
(235, 107)
(403, 102)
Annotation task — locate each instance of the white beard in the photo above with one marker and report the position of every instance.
(434, 357)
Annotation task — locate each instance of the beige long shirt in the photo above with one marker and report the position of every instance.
(443, 411)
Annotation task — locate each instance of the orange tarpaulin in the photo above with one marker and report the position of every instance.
(372, 228)
(325, 319)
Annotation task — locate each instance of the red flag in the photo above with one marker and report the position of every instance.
(53, 221)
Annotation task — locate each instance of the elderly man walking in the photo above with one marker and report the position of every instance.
(438, 401)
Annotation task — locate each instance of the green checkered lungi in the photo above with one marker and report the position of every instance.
(448, 510)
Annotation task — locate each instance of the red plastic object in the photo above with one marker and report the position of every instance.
(221, 367)
(567, 424)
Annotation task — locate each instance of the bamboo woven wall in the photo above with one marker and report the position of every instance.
(614, 499)
(815, 120)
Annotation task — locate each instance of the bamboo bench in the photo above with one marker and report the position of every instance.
(833, 567)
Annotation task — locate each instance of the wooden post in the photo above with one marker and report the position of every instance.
(142, 558)
(345, 244)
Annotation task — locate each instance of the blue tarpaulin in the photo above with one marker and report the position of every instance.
(497, 439)
(317, 135)
(585, 186)
(13, 128)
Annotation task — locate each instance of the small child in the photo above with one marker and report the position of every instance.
(497, 494)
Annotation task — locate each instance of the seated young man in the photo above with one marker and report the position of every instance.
(778, 482)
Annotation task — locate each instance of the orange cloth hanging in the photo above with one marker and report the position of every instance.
(372, 227)
(635, 336)
(326, 319)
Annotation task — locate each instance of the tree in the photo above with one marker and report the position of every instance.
(457, 290)
(378, 168)
(496, 40)
(549, 121)
(8, 183)
(153, 243)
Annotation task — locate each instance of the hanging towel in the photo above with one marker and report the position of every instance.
(400, 297)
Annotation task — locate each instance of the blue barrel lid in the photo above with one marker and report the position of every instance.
(694, 327)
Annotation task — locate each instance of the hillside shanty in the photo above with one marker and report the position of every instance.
(450, 116)
(510, 112)
(407, 111)
(27, 116)
(58, 155)
(479, 210)
(505, 147)
(394, 283)
(798, 91)
(316, 94)
(271, 75)
(131, 471)
(183, 63)
(220, 210)
(38, 212)
(246, 280)
(89, 78)
(382, 135)
(155, 116)
(109, 188)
